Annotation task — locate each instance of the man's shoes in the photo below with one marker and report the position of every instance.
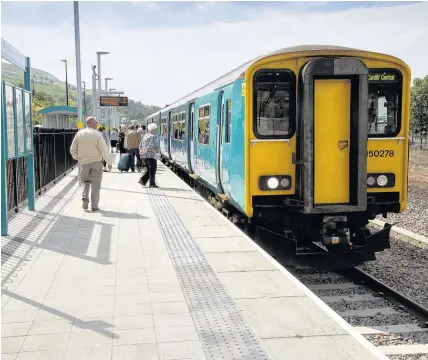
(153, 186)
(85, 204)
(95, 209)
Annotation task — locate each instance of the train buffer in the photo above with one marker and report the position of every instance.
(155, 274)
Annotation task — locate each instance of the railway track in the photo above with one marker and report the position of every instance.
(390, 320)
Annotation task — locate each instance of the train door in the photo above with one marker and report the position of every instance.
(332, 101)
(219, 145)
(333, 135)
(191, 138)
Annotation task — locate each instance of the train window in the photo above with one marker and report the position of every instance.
(384, 105)
(204, 124)
(182, 126)
(163, 126)
(174, 130)
(273, 103)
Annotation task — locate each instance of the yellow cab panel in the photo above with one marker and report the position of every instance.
(271, 155)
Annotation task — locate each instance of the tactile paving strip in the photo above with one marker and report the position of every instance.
(223, 331)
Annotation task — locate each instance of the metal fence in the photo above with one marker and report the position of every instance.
(52, 160)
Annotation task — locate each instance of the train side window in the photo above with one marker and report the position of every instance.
(274, 103)
(228, 124)
(204, 124)
(182, 126)
(163, 126)
(384, 105)
(176, 125)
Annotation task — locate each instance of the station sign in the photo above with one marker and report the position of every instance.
(383, 77)
(113, 101)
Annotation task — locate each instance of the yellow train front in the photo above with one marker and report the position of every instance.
(327, 132)
(309, 142)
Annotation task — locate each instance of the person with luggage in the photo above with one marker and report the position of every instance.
(121, 140)
(149, 152)
(89, 148)
(133, 140)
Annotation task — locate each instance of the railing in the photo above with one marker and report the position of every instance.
(52, 160)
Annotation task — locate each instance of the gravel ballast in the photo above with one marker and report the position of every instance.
(404, 267)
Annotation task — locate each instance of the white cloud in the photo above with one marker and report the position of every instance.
(157, 66)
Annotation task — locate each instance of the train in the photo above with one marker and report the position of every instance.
(307, 142)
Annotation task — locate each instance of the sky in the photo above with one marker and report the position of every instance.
(161, 51)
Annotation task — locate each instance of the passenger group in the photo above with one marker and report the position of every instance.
(138, 148)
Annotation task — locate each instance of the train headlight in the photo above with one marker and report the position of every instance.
(371, 181)
(275, 182)
(285, 183)
(382, 180)
(272, 183)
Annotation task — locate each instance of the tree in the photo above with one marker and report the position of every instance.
(419, 108)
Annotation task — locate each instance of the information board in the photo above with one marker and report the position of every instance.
(10, 117)
(113, 101)
(20, 121)
(29, 131)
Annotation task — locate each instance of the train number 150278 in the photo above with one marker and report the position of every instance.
(380, 153)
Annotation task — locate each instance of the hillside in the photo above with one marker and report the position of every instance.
(50, 91)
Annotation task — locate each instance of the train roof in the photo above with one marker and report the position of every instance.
(236, 73)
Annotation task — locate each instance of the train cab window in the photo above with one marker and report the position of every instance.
(204, 124)
(384, 104)
(273, 103)
(228, 123)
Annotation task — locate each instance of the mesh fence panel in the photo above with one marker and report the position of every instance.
(21, 179)
(11, 182)
(59, 145)
(52, 159)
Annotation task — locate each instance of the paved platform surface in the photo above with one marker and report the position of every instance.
(155, 274)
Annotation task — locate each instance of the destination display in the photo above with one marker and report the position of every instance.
(113, 101)
(383, 77)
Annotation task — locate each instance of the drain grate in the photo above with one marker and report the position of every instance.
(223, 331)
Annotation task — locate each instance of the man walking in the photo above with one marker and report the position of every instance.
(89, 148)
(133, 139)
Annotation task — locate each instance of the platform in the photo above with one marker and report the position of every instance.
(155, 274)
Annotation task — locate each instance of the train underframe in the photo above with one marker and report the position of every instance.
(327, 241)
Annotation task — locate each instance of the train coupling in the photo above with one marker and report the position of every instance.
(335, 233)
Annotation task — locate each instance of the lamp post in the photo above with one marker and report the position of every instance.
(106, 82)
(99, 53)
(107, 109)
(84, 97)
(66, 81)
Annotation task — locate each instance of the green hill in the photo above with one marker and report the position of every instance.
(50, 91)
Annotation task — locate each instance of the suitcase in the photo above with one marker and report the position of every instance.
(124, 162)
